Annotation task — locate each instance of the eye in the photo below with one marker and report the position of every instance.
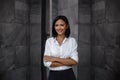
(56, 25)
(61, 24)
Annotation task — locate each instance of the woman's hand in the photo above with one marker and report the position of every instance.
(50, 58)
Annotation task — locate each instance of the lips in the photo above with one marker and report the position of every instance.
(60, 31)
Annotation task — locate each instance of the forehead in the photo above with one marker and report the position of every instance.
(59, 21)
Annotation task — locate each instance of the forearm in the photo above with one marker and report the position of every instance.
(56, 64)
(67, 61)
(60, 61)
(64, 61)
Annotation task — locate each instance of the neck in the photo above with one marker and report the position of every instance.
(60, 36)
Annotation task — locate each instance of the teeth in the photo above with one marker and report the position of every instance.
(59, 31)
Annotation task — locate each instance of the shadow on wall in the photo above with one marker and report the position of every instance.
(1, 40)
(118, 40)
(117, 3)
(117, 63)
(115, 12)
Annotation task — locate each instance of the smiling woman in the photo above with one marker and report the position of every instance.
(60, 27)
(61, 51)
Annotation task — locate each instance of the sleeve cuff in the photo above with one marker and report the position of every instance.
(76, 59)
(47, 64)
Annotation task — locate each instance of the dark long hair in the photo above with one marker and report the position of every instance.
(64, 18)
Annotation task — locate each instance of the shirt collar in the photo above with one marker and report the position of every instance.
(65, 39)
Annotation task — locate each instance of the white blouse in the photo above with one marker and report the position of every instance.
(67, 49)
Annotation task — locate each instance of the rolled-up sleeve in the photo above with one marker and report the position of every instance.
(74, 53)
(47, 64)
(47, 53)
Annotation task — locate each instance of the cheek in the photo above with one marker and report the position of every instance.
(65, 28)
(56, 28)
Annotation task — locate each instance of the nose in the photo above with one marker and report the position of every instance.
(59, 26)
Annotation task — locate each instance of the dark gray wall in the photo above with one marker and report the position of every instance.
(14, 56)
(35, 40)
(20, 40)
(106, 49)
(84, 40)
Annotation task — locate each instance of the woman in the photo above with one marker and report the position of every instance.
(60, 51)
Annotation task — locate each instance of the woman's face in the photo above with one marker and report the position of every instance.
(60, 27)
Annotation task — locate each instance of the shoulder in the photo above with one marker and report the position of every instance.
(72, 39)
(50, 39)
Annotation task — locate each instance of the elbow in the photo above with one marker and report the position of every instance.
(74, 60)
(75, 63)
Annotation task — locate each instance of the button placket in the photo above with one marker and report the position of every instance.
(61, 50)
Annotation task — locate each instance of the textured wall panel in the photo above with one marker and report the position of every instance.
(7, 8)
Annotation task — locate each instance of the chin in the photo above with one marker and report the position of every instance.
(60, 34)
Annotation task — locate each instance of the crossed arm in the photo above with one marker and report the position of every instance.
(59, 61)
